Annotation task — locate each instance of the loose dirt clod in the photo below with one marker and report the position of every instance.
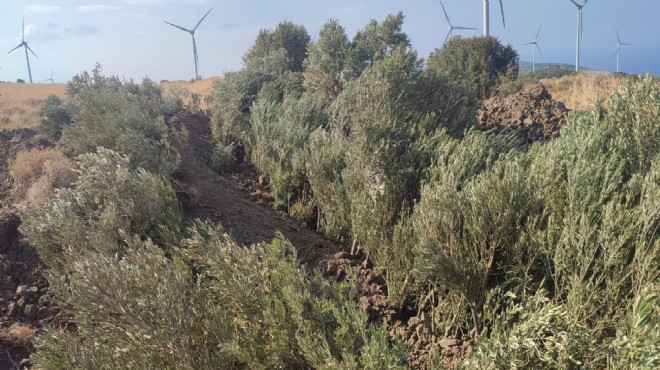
(531, 113)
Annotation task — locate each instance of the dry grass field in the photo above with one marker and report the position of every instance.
(20, 103)
(201, 87)
(585, 89)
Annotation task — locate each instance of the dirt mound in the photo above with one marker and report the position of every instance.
(531, 113)
(25, 303)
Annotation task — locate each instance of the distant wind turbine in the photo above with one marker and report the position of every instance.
(51, 76)
(487, 16)
(192, 33)
(452, 27)
(26, 47)
(535, 46)
(579, 32)
(619, 44)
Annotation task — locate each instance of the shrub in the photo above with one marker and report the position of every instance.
(222, 159)
(326, 60)
(36, 173)
(243, 308)
(532, 332)
(109, 199)
(55, 116)
(124, 117)
(468, 216)
(281, 132)
(478, 63)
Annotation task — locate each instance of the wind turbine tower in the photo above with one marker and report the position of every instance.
(26, 47)
(535, 46)
(452, 27)
(51, 76)
(487, 16)
(192, 33)
(619, 44)
(579, 32)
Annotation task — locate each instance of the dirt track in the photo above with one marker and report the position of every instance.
(227, 200)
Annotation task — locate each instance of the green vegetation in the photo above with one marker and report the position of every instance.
(122, 116)
(499, 239)
(547, 254)
(140, 295)
(478, 63)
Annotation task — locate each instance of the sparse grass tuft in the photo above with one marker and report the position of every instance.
(17, 333)
(37, 173)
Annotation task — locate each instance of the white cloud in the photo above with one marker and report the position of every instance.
(41, 8)
(95, 8)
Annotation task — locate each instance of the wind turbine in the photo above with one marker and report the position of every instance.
(26, 47)
(619, 44)
(452, 27)
(535, 46)
(192, 33)
(579, 32)
(487, 16)
(51, 76)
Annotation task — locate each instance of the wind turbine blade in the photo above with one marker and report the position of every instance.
(617, 35)
(445, 11)
(23, 31)
(538, 48)
(179, 27)
(15, 48)
(623, 43)
(26, 45)
(530, 43)
(200, 21)
(447, 38)
(464, 28)
(617, 51)
(502, 9)
(538, 33)
(576, 4)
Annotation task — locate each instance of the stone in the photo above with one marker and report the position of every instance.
(24, 290)
(43, 300)
(448, 342)
(46, 312)
(30, 311)
(13, 309)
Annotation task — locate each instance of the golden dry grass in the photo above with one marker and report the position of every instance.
(585, 89)
(17, 333)
(20, 103)
(202, 87)
(36, 173)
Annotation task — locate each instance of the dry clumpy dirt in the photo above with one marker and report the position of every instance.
(242, 203)
(531, 113)
(25, 303)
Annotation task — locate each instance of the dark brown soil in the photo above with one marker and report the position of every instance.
(531, 113)
(24, 294)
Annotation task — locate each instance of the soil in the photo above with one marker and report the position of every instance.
(24, 294)
(243, 204)
(531, 113)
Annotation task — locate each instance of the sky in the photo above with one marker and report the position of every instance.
(129, 39)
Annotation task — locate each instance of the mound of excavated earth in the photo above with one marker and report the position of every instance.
(531, 113)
